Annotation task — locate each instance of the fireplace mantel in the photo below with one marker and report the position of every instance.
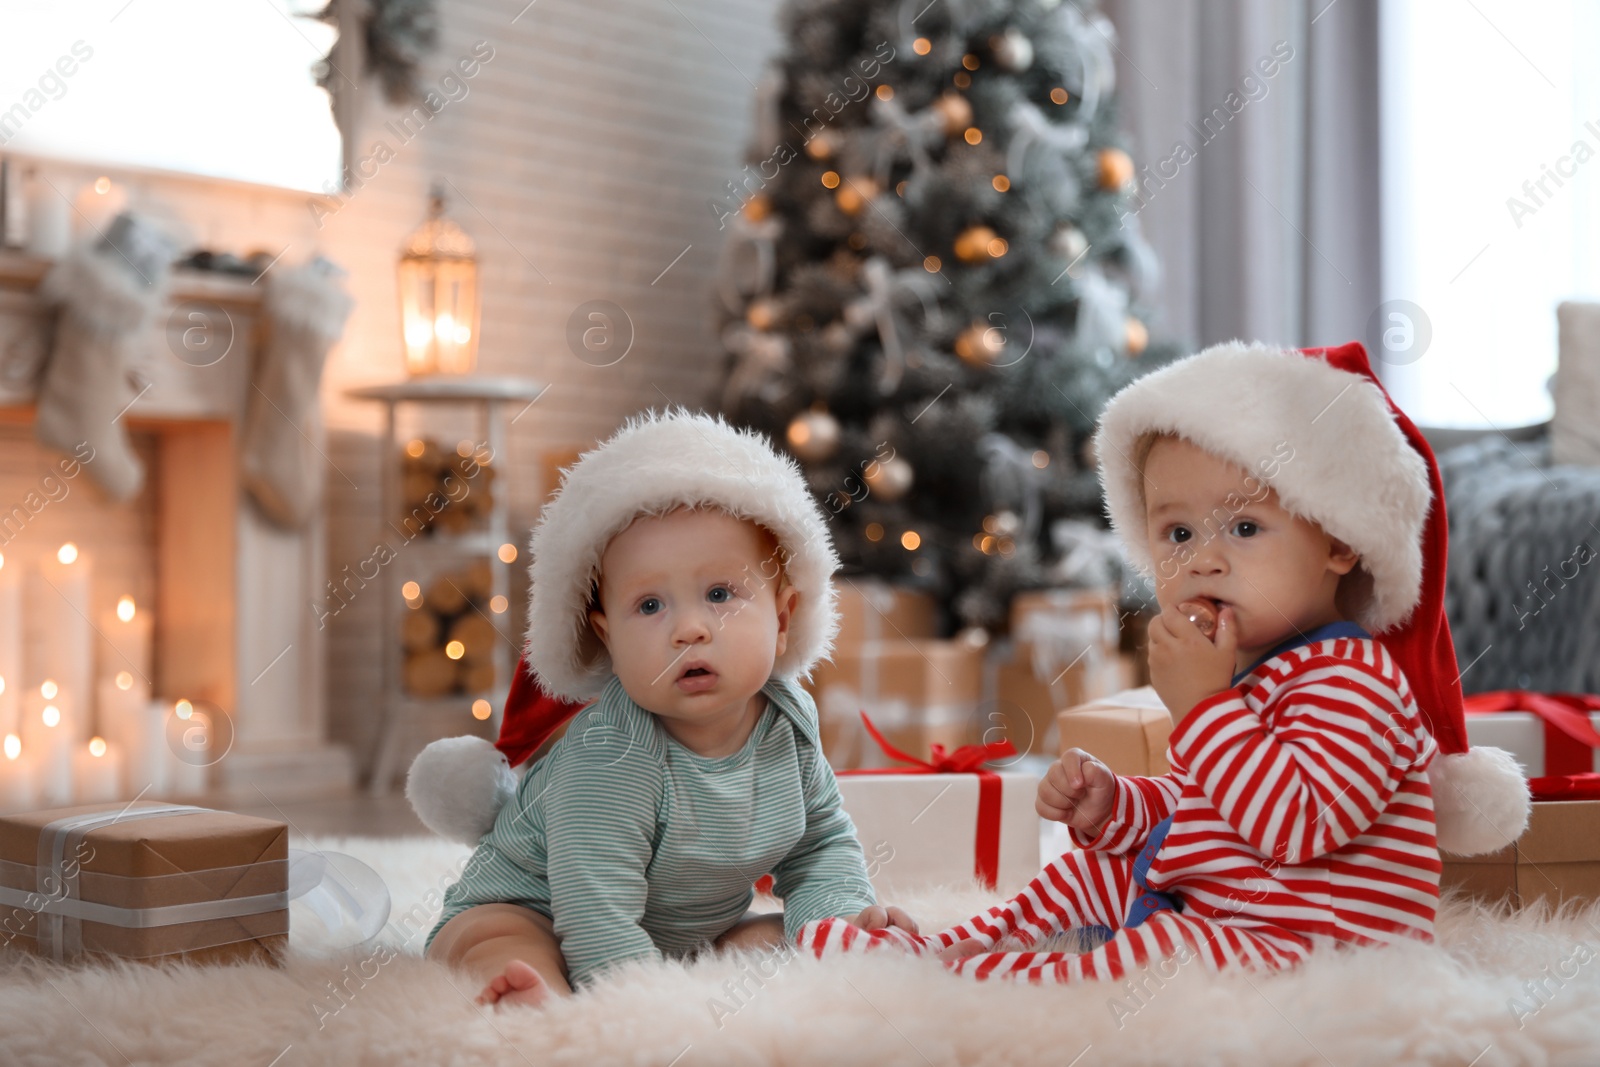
(234, 624)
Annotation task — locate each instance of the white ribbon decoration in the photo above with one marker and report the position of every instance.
(762, 357)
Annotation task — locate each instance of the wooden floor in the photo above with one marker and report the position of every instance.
(352, 814)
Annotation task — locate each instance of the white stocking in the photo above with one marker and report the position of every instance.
(108, 293)
(281, 466)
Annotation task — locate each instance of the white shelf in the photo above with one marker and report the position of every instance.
(399, 710)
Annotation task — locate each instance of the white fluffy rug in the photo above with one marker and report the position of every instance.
(1523, 989)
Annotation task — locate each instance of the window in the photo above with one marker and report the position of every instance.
(222, 89)
(1491, 192)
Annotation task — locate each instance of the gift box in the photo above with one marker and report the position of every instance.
(1548, 733)
(1035, 690)
(144, 881)
(1556, 859)
(920, 692)
(1091, 612)
(871, 609)
(1063, 651)
(1127, 731)
(945, 820)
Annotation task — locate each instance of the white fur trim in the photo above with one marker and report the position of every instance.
(457, 786)
(1323, 438)
(1480, 800)
(652, 465)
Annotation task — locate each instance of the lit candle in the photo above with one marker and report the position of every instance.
(189, 734)
(124, 718)
(97, 772)
(60, 639)
(126, 629)
(49, 219)
(45, 736)
(142, 736)
(18, 790)
(97, 204)
(11, 678)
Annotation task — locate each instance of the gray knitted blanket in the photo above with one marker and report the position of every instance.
(1522, 592)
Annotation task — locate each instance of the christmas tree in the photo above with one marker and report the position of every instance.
(933, 280)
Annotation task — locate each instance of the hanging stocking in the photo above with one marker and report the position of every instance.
(305, 310)
(108, 293)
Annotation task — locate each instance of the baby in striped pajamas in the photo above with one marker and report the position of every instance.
(1298, 810)
(682, 577)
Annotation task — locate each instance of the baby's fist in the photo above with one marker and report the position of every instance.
(1078, 790)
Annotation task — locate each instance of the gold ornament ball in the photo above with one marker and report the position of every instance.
(854, 193)
(956, 112)
(980, 344)
(758, 207)
(1138, 336)
(762, 313)
(814, 435)
(1116, 169)
(890, 479)
(976, 244)
(821, 146)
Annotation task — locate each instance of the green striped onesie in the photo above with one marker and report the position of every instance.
(638, 848)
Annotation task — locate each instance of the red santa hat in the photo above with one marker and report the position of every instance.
(651, 466)
(1361, 470)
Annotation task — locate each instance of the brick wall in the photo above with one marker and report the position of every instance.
(582, 156)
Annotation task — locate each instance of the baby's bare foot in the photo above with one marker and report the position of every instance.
(518, 984)
(961, 950)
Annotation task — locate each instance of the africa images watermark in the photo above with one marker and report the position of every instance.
(856, 89)
(1537, 190)
(50, 85)
(1210, 127)
(455, 488)
(1257, 486)
(14, 520)
(452, 89)
(421, 916)
(1582, 556)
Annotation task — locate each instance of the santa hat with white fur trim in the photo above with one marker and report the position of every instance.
(654, 464)
(651, 466)
(1360, 469)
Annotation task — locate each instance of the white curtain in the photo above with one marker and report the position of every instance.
(1271, 231)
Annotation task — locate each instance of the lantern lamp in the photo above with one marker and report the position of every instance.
(439, 295)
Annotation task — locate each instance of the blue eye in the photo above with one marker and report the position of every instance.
(727, 594)
(645, 607)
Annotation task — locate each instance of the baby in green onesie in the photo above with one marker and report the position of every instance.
(699, 767)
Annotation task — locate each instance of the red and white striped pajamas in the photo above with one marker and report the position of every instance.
(1301, 814)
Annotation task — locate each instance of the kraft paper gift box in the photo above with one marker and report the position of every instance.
(918, 692)
(1098, 603)
(144, 881)
(1127, 732)
(871, 609)
(1037, 690)
(1556, 859)
(1063, 650)
(922, 830)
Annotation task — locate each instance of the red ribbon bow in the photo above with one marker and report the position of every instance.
(1569, 738)
(968, 759)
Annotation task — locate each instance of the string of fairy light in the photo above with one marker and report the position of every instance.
(814, 435)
